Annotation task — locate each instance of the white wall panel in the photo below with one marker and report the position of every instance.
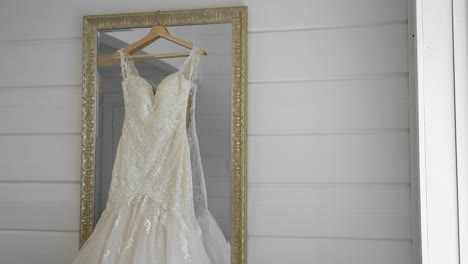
(42, 63)
(306, 55)
(33, 120)
(24, 19)
(299, 14)
(327, 251)
(56, 216)
(372, 92)
(21, 247)
(35, 110)
(40, 96)
(333, 211)
(40, 158)
(349, 158)
(328, 105)
(39, 206)
(39, 192)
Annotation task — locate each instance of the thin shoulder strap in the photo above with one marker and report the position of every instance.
(123, 65)
(191, 65)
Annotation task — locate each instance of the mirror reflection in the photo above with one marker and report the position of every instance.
(212, 107)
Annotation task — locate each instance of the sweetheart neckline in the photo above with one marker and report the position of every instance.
(135, 72)
(151, 84)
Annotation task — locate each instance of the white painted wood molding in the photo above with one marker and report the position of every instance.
(460, 30)
(437, 145)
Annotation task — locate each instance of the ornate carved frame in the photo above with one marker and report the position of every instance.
(237, 16)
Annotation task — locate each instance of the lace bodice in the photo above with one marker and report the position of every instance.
(154, 138)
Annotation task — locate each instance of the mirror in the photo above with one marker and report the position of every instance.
(212, 110)
(220, 106)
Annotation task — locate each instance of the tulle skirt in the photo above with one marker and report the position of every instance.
(139, 233)
(216, 245)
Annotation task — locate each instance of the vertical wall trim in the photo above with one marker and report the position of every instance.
(436, 123)
(417, 5)
(413, 118)
(460, 43)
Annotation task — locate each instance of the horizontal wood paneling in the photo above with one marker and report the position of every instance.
(327, 251)
(24, 193)
(40, 158)
(42, 63)
(18, 22)
(335, 211)
(40, 96)
(326, 105)
(36, 206)
(21, 247)
(321, 53)
(40, 110)
(318, 13)
(389, 91)
(55, 216)
(31, 120)
(350, 51)
(354, 158)
(310, 118)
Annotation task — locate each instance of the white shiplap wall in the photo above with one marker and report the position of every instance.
(329, 163)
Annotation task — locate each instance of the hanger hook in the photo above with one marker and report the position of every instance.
(157, 18)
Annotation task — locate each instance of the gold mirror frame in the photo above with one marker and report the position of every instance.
(237, 16)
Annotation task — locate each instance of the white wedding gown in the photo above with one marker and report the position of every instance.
(157, 210)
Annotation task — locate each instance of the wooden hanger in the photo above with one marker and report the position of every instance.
(156, 33)
(109, 60)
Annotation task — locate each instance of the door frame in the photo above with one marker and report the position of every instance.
(441, 113)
